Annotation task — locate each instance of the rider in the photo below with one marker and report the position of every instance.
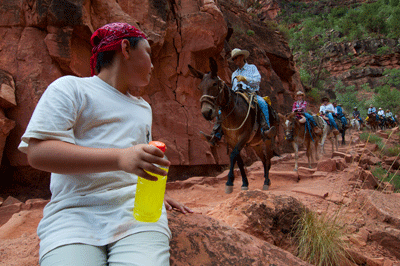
(356, 115)
(339, 113)
(371, 109)
(246, 77)
(326, 110)
(300, 107)
(381, 115)
(389, 115)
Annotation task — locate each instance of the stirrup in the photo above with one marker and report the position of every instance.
(208, 138)
(269, 133)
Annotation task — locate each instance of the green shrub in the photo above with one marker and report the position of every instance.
(392, 151)
(385, 176)
(315, 94)
(383, 50)
(250, 32)
(371, 138)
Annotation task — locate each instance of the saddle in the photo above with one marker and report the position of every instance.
(338, 122)
(319, 120)
(247, 96)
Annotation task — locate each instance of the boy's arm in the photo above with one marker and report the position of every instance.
(66, 158)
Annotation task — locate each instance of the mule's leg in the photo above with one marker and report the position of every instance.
(265, 158)
(231, 176)
(309, 153)
(245, 182)
(343, 137)
(316, 145)
(296, 155)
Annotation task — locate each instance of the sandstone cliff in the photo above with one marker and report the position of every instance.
(43, 40)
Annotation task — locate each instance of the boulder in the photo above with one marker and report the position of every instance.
(328, 165)
(264, 215)
(201, 240)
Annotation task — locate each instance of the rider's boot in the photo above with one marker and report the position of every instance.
(215, 136)
(335, 132)
(266, 131)
(317, 130)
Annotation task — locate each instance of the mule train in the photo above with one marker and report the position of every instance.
(240, 124)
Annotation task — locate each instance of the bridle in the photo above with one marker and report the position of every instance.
(213, 101)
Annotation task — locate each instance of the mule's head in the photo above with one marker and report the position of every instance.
(288, 123)
(211, 88)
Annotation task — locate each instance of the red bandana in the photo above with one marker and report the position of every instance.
(109, 38)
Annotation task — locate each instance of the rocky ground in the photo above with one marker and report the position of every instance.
(253, 227)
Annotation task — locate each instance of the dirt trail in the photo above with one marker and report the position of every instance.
(322, 192)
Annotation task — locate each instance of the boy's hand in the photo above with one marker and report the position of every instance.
(171, 204)
(139, 158)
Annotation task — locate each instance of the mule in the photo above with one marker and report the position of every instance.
(240, 124)
(389, 123)
(297, 133)
(373, 122)
(342, 128)
(355, 124)
(328, 134)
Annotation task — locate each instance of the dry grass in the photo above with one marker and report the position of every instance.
(320, 239)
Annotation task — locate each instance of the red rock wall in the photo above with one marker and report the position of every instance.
(43, 40)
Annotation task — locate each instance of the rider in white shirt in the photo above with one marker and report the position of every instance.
(326, 110)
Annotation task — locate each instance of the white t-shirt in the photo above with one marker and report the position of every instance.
(325, 108)
(94, 209)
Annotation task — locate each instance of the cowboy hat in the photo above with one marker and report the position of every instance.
(355, 107)
(380, 108)
(236, 52)
(300, 93)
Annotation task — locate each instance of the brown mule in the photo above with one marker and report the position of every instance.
(239, 123)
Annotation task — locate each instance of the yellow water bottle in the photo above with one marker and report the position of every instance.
(149, 196)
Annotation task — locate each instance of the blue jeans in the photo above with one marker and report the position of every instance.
(310, 118)
(344, 120)
(264, 108)
(332, 121)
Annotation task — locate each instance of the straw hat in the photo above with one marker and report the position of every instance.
(300, 93)
(236, 52)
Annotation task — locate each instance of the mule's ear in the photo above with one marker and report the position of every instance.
(213, 67)
(195, 72)
(291, 115)
(281, 117)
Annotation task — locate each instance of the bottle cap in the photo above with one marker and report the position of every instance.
(158, 144)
